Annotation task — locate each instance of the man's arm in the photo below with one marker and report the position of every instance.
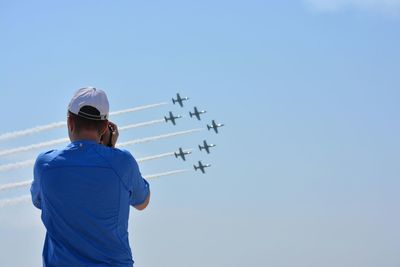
(144, 205)
(140, 190)
(140, 187)
(140, 197)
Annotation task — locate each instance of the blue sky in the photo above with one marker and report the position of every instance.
(306, 170)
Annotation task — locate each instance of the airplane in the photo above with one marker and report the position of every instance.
(215, 126)
(182, 154)
(197, 113)
(201, 167)
(206, 147)
(172, 118)
(179, 100)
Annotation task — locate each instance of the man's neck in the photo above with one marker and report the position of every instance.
(86, 135)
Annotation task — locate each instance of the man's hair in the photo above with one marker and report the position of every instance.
(87, 124)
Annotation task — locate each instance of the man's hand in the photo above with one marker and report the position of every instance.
(110, 137)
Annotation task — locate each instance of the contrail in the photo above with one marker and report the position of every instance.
(26, 198)
(139, 125)
(130, 110)
(155, 138)
(34, 146)
(37, 129)
(155, 157)
(166, 174)
(16, 165)
(15, 185)
(60, 124)
(11, 151)
(14, 201)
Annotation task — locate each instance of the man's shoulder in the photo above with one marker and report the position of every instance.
(47, 156)
(116, 156)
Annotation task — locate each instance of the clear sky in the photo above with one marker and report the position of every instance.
(306, 171)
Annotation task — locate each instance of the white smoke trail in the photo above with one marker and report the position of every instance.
(11, 151)
(15, 185)
(130, 110)
(166, 174)
(34, 146)
(60, 124)
(37, 129)
(155, 138)
(16, 165)
(14, 201)
(139, 125)
(155, 157)
(26, 198)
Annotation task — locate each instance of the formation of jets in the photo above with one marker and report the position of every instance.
(197, 114)
(181, 153)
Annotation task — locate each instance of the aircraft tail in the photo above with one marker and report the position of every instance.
(201, 148)
(191, 114)
(176, 155)
(166, 119)
(173, 101)
(195, 167)
(209, 127)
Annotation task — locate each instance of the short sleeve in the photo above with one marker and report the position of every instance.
(140, 189)
(35, 187)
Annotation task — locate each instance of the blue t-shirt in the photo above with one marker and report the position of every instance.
(85, 191)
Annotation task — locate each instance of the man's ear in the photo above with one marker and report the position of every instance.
(70, 124)
(104, 128)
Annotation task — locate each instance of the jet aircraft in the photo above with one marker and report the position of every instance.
(215, 126)
(197, 113)
(182, 154)
(201, 167)
(172, 118)
(179, 100)
(206, 147)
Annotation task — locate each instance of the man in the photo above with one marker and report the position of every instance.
(85, 190)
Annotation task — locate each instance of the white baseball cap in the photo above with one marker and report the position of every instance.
(90, 103)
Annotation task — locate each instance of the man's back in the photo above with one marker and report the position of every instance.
(84, 192)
